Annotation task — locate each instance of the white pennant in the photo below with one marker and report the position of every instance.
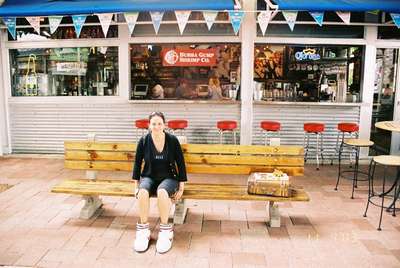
(344, 16)
(264, 18)
(209, 17)
(131, 18)
(105, 21)
(182, 16)
(35, 23)
(156, 18)
(290, 17)
(54, 22)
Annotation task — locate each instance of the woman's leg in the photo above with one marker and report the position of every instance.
(144, 205)
(164, 205)
(166, 189)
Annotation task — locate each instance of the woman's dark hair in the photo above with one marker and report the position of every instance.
(159, 114)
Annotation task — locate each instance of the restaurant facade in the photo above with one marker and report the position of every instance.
(56, 86)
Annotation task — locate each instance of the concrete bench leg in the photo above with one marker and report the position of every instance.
(274, 217)
(92, 204)
(180, 212)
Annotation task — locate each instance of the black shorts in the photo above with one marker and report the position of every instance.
(152, 185)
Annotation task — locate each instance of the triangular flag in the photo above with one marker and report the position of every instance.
(78, 21)
(375, 12)
(182, 16)
(290, 17)
(156, 17)
(318, 17)
(344, 16)
(396, 19)
(131, 18)
(54, 22)
(34, 22)
(236, 17)
(105, 21)
(209, 17)
(264, 18)
(11, 23)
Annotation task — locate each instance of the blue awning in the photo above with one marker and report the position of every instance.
(22, 8)
(340, 5)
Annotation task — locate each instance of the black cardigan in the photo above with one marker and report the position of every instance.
(175, 158)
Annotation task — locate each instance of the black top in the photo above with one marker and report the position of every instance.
(159, 165)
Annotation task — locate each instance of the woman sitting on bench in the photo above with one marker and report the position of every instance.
(161, 153)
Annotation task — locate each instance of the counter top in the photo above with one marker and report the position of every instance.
(187, 101)
(286, 103)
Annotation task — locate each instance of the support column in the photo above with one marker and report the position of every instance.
(368, 85)
(247, 62)
(4, 140)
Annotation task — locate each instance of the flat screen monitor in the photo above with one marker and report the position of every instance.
(140, 89)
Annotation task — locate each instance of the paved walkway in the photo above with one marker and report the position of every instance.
(41, 229)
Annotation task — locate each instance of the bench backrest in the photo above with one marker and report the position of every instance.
(199, 158)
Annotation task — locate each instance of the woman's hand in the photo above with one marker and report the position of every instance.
(178, 195)
(136, 188)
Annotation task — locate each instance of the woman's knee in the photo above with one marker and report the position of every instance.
(162, 193)
(143, 193)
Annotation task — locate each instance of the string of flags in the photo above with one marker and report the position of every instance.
(182, 16)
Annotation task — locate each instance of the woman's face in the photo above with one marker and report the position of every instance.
(157, 124)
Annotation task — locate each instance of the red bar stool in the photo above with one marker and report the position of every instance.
(317, 129)
(143, 125)
(272, 127)
(351, 129)
(227, 125)
(178, 124)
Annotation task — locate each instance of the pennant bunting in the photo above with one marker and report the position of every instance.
(105, 21)
(236, 18)
(11, 23)
(156, 18)
(318, 17)
(396, 19)
(34, 22)
(264, 18)
(182, 16)
(290, 17)
(54, 22)
(344, 16)
(375, 12)
(78, 21)
(209, 17)
(131, 19)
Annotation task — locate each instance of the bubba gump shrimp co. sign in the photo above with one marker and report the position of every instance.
(189, 57)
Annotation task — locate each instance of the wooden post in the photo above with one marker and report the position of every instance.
(274, 217)
(92, 202)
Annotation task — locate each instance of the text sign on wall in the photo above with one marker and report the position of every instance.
(189, 57)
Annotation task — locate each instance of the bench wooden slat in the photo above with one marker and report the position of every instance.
(100, 146)
(190, 168)
(191, 158)
(190, 148)
(242, 149)
(192, 190)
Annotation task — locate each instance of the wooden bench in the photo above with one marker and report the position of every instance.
(199, 158)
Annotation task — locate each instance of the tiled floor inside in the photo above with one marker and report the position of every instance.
(41, 229)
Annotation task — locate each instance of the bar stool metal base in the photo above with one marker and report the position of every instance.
(384, 161)
(356, 172)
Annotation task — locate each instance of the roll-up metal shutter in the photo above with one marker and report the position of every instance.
(42, 128)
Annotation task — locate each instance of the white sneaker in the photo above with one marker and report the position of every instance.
(165, 236)
(142, 237)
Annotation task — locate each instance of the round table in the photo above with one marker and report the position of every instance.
(393, 126)
(389, 125)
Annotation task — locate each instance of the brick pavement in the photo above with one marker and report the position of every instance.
(41, 229)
